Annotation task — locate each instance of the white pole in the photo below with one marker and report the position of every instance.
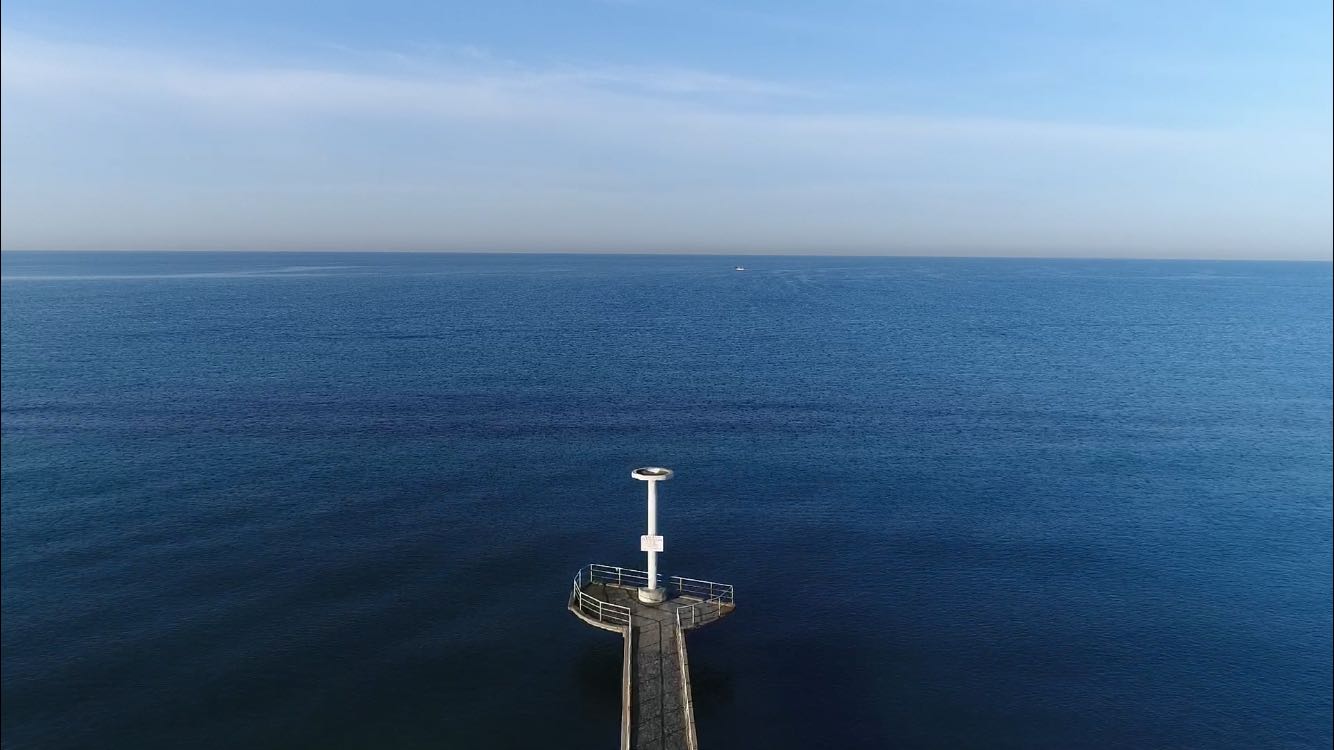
(652, 531)
(651, 543)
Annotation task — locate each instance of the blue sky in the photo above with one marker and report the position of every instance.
(1008, 127)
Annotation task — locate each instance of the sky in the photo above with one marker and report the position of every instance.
(1085, 128)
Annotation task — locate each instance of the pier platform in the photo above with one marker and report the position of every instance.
(657, 712)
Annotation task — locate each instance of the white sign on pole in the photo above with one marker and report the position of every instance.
(650, 543)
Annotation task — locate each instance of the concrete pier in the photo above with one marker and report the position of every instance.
(657, 710)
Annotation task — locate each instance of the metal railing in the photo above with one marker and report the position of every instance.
(678, 585)
(713, 596)
(703, 612)
(687, 702)
(706, 590)
(614, 575)
(593, 607)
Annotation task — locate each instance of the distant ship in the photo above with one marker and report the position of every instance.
(740, 268)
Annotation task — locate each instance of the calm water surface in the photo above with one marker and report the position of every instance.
(328, 501)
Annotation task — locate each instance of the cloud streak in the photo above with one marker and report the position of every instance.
(471, 86)
(453, 148)
(479, 87)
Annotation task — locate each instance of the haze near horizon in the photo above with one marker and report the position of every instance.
(1022, 127)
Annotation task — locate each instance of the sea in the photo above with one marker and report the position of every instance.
(336, 500)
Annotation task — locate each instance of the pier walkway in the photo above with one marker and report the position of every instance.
(656, 708)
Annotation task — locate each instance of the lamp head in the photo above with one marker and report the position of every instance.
(651, 474)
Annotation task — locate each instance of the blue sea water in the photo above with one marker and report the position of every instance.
(335, 500)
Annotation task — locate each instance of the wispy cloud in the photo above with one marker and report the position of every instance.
(458, 146)
(477, 85)
(467, 83)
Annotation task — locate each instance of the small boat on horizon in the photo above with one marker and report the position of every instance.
(740, 268)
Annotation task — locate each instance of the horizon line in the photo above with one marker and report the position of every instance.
(677, 253)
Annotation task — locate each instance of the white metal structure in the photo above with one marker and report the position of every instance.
(651, 543)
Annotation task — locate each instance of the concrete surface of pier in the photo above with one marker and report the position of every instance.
(657, 712)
